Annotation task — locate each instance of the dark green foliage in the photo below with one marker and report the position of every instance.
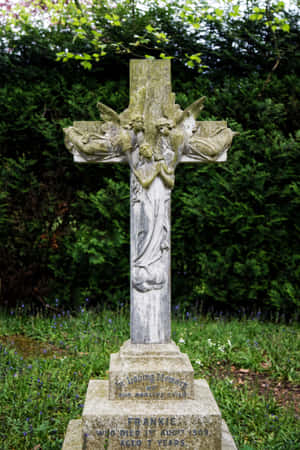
(243, 216)
(64, 228)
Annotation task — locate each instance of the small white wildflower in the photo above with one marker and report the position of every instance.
(229, 343)
(198, 362)
(221, 348)
(181, 341)
(210, 343)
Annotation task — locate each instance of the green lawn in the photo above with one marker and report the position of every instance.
(46, 362)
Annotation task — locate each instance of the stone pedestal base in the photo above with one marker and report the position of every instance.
(151, 401)
(150, 372)
(170, 424)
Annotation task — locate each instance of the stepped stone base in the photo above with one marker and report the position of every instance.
(150, 372)
(170, 424)
(151, 401)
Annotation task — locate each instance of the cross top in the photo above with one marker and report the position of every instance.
(154, 125)
(153, 135)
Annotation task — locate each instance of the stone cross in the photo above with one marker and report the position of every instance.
(153, 135)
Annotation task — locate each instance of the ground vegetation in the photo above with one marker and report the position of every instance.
(46, 362)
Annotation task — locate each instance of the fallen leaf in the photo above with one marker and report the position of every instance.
(266, 364)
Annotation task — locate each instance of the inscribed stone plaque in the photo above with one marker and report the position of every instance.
(191, 425)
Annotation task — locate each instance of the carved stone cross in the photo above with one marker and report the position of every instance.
(152, 135)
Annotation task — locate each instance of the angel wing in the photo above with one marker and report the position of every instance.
(108, 114)
(192, 110)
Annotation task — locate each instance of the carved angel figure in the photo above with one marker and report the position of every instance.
(153, 145)
(92, 143)
(209, 147)
(162, 159)
(204, 141)
(101, 141)
(151, 152)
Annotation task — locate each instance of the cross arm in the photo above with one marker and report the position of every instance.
(204, 141)
(208, 142)
(96, 141)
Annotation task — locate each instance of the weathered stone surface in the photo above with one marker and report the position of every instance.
(153, 135)
(227, 439)
(164, 407)
(73, 439)
(192, 424)
(150, 244)
(149, 372)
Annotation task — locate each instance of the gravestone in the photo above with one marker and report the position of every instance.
(151, 399)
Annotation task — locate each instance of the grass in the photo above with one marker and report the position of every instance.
(46, 362)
